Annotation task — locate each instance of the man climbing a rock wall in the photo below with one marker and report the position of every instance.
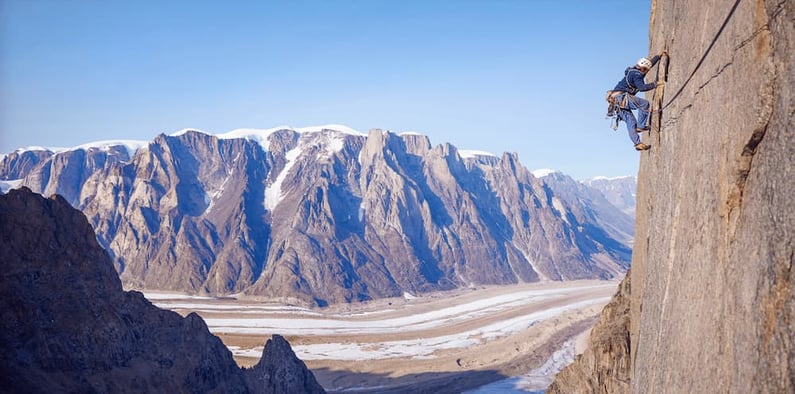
(623, 97)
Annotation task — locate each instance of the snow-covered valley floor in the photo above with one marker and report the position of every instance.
(512, 337)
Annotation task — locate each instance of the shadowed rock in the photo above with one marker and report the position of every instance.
(66, 325)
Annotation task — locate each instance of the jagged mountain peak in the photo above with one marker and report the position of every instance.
(324, 215)
(262, 136)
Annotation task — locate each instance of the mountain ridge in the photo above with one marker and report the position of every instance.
(323, 216)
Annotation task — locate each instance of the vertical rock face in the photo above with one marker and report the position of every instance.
(713, 296)
(67, 326)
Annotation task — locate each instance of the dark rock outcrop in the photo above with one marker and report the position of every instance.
(712, 304)
(713, 301)
(66, 325)
(281, 372)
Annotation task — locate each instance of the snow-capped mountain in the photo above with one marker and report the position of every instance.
(322, 214)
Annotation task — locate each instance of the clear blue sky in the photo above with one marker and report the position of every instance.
(496, 75)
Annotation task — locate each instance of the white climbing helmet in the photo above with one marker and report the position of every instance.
(645, 63)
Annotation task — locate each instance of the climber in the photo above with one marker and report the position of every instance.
(623, 98)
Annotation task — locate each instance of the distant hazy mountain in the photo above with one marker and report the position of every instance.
(620, 191)
(325, 214)
(607, 217)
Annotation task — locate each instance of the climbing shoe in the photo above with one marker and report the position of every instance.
(642, 129)
(642, 146)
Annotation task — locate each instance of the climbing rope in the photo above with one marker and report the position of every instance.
(700, 62)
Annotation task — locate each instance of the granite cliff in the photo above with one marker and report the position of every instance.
(66, 325)
(712, 306)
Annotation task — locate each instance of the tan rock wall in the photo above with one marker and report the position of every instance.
(713, 307)
(712, 304)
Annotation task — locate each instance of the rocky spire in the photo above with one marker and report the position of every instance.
(280, 371)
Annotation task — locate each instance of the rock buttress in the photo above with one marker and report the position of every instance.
(712, 307)
(712, 300)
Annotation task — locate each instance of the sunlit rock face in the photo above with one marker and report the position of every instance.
(326, 214)
(712, 302)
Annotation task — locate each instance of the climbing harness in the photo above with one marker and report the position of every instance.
(616, 105)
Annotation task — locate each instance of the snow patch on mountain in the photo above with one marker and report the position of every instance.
(558, 205)
(131, 146)
(605, 178)
(273, 193)
(542, 172)
(530, 261)
(258, 135)
(34, 148)
(209, 199)
(184, 131)
(333, 127)
(261, 136)
(468, 154)
(329, 143)
(5, 186)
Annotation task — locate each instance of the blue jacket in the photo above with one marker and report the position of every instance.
(634, 80)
